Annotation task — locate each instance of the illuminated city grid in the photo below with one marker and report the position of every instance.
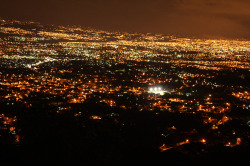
(64, 65)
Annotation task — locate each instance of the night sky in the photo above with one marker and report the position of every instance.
(219, 18)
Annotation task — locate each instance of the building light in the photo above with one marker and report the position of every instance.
(203, 141)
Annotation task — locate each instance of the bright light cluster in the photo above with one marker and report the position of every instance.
(156, 90)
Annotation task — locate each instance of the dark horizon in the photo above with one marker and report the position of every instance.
(224, 19)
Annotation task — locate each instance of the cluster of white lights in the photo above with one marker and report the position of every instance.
(155, 89)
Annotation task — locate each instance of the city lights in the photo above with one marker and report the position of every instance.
(156, 90)
(70, 86)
